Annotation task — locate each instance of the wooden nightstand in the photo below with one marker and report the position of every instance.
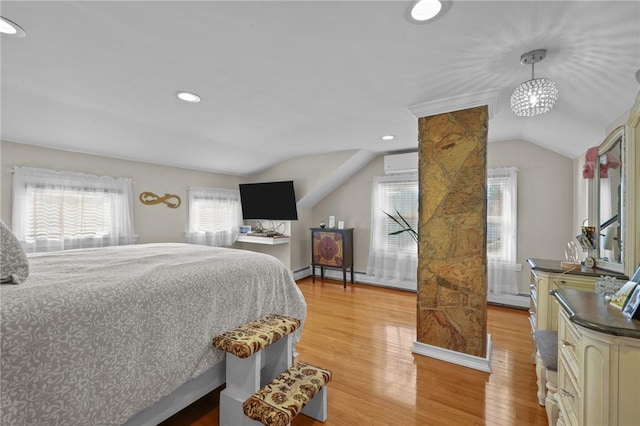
(332, 248)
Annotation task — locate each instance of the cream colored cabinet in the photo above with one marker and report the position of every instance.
(543, 309)
(598, 372)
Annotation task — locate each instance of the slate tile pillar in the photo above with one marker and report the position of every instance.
(452, 277)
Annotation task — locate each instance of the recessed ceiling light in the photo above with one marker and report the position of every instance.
(424, 11)
(10, 28)
(188, 97)
(387, 137)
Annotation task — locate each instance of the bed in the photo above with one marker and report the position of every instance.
(115, 335)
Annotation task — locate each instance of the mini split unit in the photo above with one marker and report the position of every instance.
(401, 163)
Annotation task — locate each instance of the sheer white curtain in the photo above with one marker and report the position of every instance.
(58, 210)
(214, 216)
(393, 258)
(502, 184)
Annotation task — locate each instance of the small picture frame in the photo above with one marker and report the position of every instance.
(341, 224)
(619, 299)
(244, 230)
(631, 307)
(332, 222)
(584, 242)
(636, 276)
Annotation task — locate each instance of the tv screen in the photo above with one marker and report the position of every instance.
(268, 201)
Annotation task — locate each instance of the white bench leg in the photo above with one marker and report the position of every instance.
(317, 407)
(246, 376)
(278, 358)
(551, 405)
(243, 380)
(541, 376)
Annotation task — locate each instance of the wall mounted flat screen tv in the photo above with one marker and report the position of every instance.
(268, 201)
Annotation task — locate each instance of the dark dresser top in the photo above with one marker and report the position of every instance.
(591, 311)
(554, 266)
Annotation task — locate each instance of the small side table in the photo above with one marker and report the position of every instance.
(332, 248)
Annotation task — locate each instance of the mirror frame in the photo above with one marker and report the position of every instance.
(618, 135)
(632, 129)
(630, 199)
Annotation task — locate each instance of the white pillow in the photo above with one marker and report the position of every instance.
(14, 265)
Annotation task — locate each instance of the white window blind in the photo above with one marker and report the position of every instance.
(502, 214)
(214, 216)
(502, 225)
(393, 257)
(58, 210)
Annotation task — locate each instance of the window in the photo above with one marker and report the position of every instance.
(502, 214)
(57, 210)
(214, 216)
(393, 257)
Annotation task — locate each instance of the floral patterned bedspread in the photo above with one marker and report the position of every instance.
(94, 336)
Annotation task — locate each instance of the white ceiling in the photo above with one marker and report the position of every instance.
(285, 79)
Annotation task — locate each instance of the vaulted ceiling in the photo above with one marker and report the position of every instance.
(290, 78)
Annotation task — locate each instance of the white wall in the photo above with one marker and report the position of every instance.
(159, 223)
(545, 196)
(351, 203)
(545, 200)
(156, 223)
(306, 172)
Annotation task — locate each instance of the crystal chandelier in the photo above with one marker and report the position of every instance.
(537, 95)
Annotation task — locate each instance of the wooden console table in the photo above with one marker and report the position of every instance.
(332, 248)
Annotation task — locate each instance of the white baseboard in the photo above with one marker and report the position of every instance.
(458, 358)
(518, 301)
(358, 277)
(523, 301)
(301, 273)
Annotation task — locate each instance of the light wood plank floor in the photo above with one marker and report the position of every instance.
(364, 335)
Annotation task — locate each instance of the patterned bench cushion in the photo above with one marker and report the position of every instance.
(547, 343)
(254, 336)
(280, 401)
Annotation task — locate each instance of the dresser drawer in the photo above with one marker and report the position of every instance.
(569, 343)
(568, 396)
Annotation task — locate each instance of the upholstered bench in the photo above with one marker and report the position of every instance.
(254, 336)
(547, 371)
(299, 389)
(260, 354)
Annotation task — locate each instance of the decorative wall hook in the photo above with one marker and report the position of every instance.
(149, 198)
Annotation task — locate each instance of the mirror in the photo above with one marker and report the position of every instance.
(613, 171)
(608, 203)
(609, 243)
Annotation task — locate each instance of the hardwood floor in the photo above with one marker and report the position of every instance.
(364, 335)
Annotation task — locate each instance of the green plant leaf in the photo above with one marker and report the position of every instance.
(404, 224)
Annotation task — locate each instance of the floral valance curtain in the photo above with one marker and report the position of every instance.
(215, 215)
(60, 210)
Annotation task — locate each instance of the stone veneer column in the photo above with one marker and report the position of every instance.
(452, 278)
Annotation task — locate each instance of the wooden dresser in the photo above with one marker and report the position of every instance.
(598, 362)
(332, 248)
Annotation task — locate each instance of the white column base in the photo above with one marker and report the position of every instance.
(454, 357)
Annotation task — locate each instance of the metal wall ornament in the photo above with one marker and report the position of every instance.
(149, 198)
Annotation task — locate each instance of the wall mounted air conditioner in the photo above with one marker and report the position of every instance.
(401, 163)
